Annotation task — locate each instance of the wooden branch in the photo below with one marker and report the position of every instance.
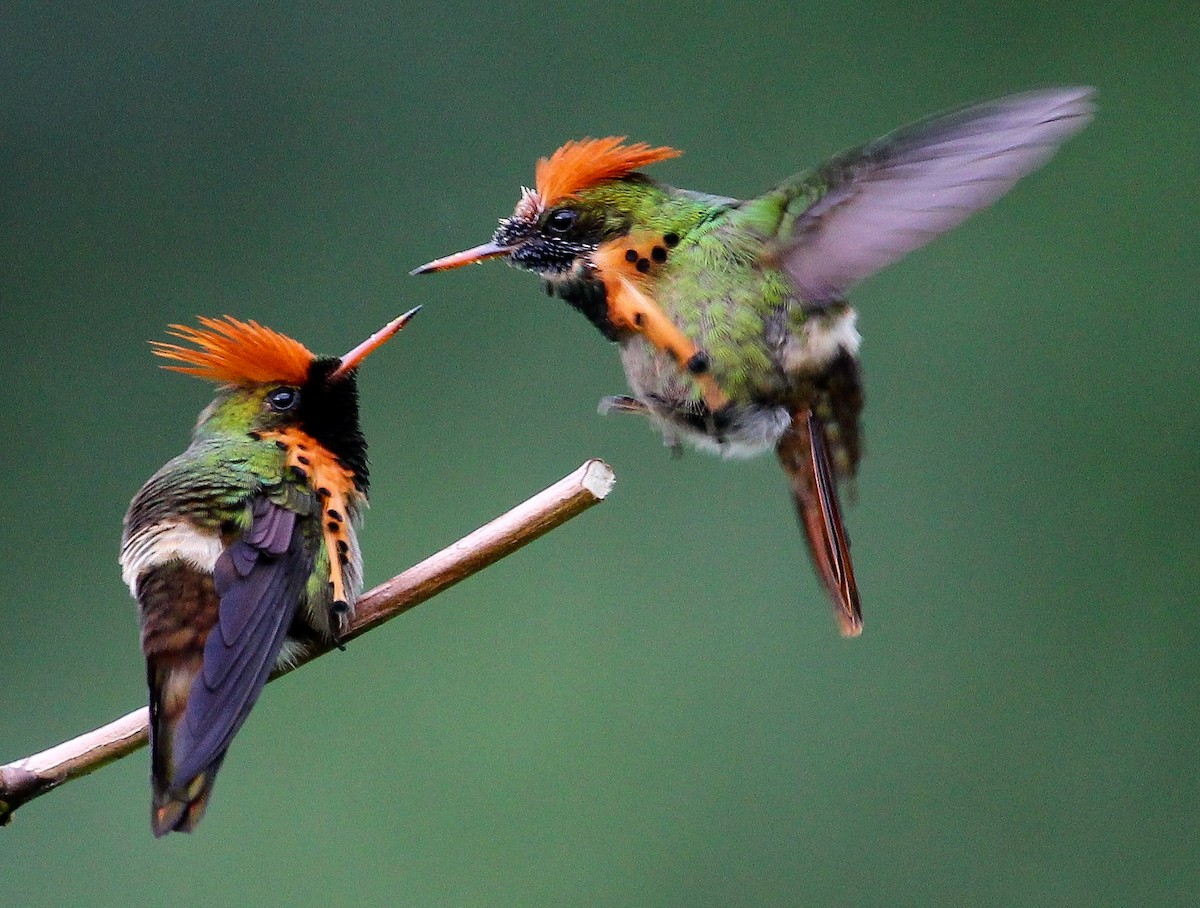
(23, 780)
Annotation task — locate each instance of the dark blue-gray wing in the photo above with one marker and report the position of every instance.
(259, 579)
(879, 202)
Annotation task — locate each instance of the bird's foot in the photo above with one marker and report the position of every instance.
(717, 423)
(622, 403)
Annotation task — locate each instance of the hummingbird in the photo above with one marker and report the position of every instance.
(242, 551)
(732, 317)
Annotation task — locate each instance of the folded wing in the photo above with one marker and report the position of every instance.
(259, 580)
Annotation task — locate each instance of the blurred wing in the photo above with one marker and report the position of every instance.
(804, 454)
(881, 201)
(259, 579)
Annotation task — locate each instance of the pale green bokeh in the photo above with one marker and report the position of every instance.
(650, 707)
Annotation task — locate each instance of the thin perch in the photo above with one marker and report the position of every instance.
(23, 780)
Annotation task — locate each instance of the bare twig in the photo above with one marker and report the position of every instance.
(23, 780)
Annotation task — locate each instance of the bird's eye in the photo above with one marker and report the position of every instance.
(562, 220)
(283, 399)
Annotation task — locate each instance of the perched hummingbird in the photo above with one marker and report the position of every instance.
(732, 317)
(241, 551)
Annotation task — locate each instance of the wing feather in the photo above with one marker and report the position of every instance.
(259, 579)
(885, 199)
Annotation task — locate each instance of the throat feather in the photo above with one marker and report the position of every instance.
(335, 488)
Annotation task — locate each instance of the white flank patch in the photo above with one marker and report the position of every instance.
(822, 339)
(170, 540)
(289, 653)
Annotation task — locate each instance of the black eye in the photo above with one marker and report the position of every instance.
(562, 220)
(282, 399)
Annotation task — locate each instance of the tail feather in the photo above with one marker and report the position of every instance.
(176, 805)
(176, 809)
(804, 455)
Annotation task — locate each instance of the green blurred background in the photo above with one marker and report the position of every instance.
(651, 706)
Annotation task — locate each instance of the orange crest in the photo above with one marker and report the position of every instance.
(236, 352)
(580, 164)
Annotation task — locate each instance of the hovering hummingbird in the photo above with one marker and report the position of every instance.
(731, 315)
(242, 550)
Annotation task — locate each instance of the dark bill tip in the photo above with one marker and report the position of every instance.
(354, 358)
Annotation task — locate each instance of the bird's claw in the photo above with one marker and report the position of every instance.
(622, 403)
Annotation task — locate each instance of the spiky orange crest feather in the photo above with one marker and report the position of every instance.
(586, 162)
(236, 352)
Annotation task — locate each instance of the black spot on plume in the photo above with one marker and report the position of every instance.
(329, 413)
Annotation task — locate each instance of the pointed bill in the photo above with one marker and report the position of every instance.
(354, 358)
(466, 257)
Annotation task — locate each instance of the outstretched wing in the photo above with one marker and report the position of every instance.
(804, 454)
(879, 202)
(259, 580)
